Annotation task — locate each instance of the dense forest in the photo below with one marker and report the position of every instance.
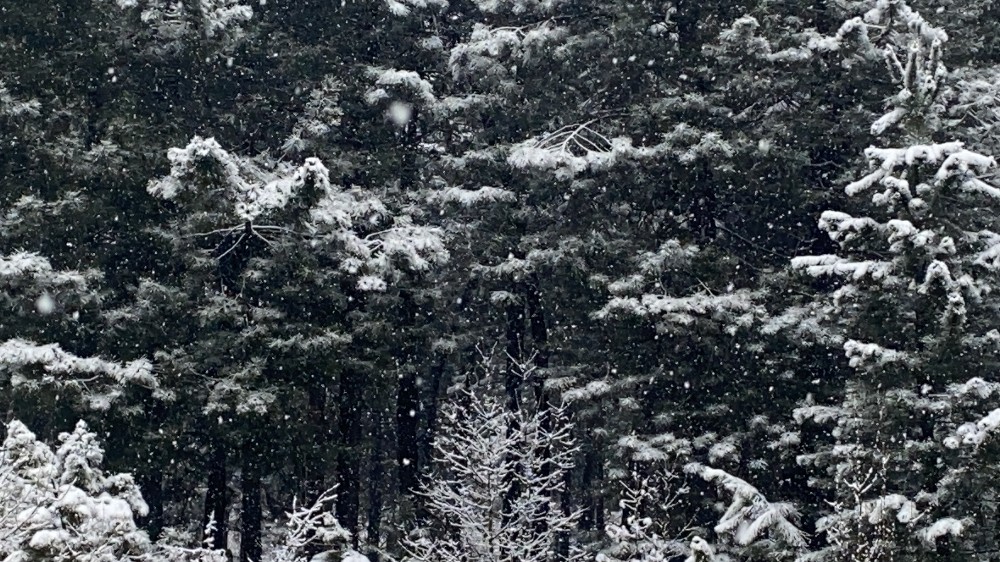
(499, 280)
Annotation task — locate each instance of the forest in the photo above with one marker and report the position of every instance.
(499, 280)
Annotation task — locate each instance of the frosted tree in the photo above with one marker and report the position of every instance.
(492, 495)
(313, 531)
(59, 505)
(656, 522)
(177, 25)
(914, 306)
(62, 506)
(752, 526)
(649, 502)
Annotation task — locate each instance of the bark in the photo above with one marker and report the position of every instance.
(375, 484)
(514, 335)
(593, 476)
(407, 405)
(314, 481)
(252, 516)
(348, 464)
(216, 496)
(425, 442)
(152, 492)
(407, 420)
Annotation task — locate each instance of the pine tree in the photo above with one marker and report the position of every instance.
(278, 264)
(911, 306)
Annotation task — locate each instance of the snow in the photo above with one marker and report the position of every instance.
(940, 528)
(977, 433)
(865, 355)
(750, 515)
(62, 507)
(19, 353)
(835, 265)
(406, 81)
(39, 269)
(473, 197)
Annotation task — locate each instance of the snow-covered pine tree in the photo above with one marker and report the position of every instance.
(557, 175)
(61, 506)
(912, 306)
(277, 262)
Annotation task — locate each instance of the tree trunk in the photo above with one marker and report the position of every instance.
(546, 409)
(348, 465)
(407, 421)
(250, 483)
(513, 377)
(375, 486)
(216, 497)
(430, 408)
(315, 466)
(152, 492)
(407, 402)
(593, 476)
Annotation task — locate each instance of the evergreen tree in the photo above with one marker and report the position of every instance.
(911, 308)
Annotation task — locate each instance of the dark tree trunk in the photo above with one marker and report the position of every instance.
(430, 409)
(407, 421)
(408, 397)
(216, 497)
(514, 375)
(250, 488)
(348, 464)
(152, 492)
(512, 383)
(704, 208)
(315, 473)
(407, 402)
(546, 409)
(375, 485)
(593, 476)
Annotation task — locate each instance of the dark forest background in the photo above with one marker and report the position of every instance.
(688, 280)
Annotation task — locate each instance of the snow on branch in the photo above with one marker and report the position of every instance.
(55, 505)
(197, 170)
(829, 264)
(11, 107)
(404, 7)
(66, 369)
(956, 166)
(18, 266)
(869, 355)
(920, 77)
(734, 310)
(493, 496)
(490, 51)
(975, 433)
(473, 197)
(947, 526)
(408, 83)
(312, 528)
(251, 190)
(750, 515)
(177, 24)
